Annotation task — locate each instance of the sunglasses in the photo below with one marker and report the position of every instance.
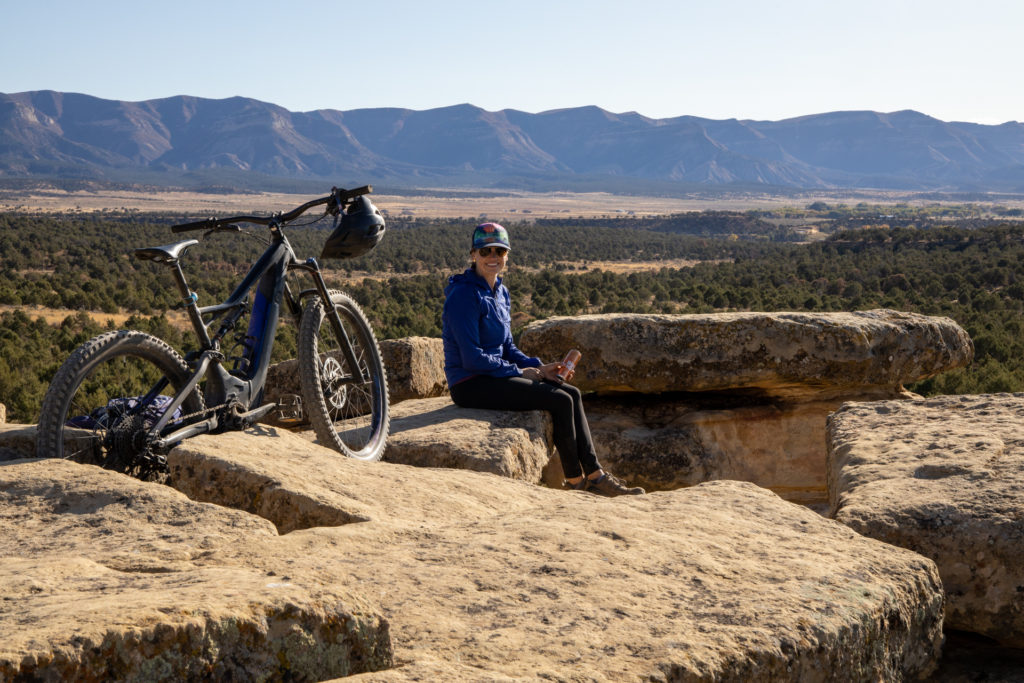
(497, 251)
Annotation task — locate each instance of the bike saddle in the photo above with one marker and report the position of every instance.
(168, 253)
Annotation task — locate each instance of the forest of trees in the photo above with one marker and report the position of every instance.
(959, 264)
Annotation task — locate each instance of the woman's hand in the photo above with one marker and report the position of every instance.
(548, 371)
(532, 373)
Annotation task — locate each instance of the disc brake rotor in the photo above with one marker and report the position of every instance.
(335, 392)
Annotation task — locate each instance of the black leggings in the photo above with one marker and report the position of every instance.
(563, 401)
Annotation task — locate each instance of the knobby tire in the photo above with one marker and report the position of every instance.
(90, 388)
(348, 417)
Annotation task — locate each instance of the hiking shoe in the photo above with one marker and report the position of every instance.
(580, 486)
(608, 485)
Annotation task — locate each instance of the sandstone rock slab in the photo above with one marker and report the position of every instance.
(104, 577)
(17, 441)
(655, 442)
(776, 354)
(297, 484)
(485, 577)
(943, 477)
(435, 432)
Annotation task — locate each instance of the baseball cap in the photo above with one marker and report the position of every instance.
(490, 235)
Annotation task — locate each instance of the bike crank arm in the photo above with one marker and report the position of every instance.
(236, 419)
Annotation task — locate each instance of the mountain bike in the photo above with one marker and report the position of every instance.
(125, 398)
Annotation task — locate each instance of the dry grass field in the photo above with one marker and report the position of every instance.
(55, 316)
(510, 206)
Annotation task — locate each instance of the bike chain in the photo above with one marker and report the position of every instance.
(203, 412)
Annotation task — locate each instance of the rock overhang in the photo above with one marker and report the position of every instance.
(776, 354)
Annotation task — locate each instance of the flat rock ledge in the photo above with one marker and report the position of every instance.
(434, 432)
(474, 576)
(790, 355)
(482, 577)
(674, 400)
(679, 399)
(943, 477)
(104, 577)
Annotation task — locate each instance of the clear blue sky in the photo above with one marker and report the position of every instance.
(747, 59)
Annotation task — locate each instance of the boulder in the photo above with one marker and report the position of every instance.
(943, 477)
(104, 577)
(415, 367)
(17, 441)
(434, 432)
(802, 356)
(485, 577)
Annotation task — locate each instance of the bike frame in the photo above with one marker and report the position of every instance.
(234, 395)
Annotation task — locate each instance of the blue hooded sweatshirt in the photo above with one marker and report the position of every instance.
(477, 330)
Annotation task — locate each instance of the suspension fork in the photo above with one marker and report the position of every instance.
(313, 268)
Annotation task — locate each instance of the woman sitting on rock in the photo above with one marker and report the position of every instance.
(486, 370)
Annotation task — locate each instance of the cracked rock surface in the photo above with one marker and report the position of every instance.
(108, 578)
(286, 554)
(943, 477)
(482, 577)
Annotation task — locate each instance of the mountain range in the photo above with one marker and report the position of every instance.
(52, 135)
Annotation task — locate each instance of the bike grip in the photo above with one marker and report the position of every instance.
(352, 194)
(197, 225)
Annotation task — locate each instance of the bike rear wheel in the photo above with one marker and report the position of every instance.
(106, 395)
(347, 416)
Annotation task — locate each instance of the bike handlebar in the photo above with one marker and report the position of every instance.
(340, 198)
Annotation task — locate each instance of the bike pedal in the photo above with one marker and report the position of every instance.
(289, 409)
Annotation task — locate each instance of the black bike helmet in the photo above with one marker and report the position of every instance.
(360, 230)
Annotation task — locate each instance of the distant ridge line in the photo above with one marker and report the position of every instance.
(247, 141)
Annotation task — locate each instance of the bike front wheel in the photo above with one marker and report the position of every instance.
(347, 415)
(106, 396)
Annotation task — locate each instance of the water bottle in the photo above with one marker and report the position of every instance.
(569, 363)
